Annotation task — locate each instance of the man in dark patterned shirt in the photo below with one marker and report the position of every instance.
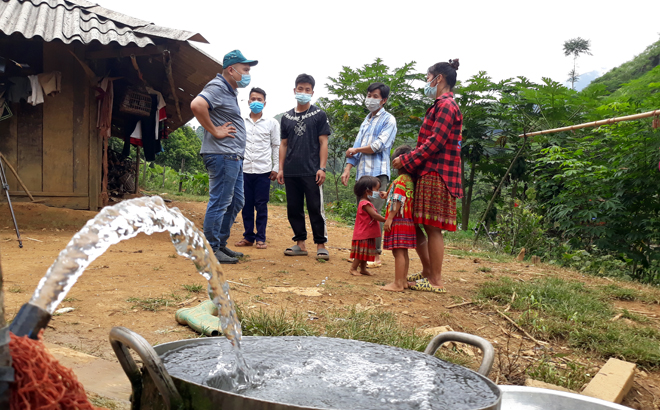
(303, 157)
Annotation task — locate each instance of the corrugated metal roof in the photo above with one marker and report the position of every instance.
(83, 21)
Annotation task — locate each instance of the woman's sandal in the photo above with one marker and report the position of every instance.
(414, 277)
(424, 286)
(374, 265)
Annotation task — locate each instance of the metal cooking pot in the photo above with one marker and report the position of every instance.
(154, 388)
(533, 398)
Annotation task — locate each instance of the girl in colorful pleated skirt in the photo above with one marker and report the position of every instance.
(399, 227)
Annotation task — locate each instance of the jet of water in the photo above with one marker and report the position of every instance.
(124, 221)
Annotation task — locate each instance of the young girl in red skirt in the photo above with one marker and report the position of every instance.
(400, 234)
(367, 229)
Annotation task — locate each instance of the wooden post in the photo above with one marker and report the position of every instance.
(137, 170)
(144, 173)
(104, 183)
(183, 164)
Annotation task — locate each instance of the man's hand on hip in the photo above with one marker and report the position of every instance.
(224, 131)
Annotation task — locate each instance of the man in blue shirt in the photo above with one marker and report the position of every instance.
(223, 147)
(370, 154)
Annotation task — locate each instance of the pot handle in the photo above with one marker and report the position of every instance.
(480, 342)
(121, 339)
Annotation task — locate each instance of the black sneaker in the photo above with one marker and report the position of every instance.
(224, 258)
(230, 253)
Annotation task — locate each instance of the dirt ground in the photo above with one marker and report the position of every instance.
(147, 267)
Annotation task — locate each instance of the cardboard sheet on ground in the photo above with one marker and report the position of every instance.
(293, 289)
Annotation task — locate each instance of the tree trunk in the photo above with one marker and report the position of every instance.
(467, 199)
(144, 174)
(183, 164)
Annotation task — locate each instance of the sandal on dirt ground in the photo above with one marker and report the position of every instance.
(243, 242)
(322, 254)
(425, 286)
(261, 245)
(374, 265)
(295, 251)
(414, 277)
(349, 260)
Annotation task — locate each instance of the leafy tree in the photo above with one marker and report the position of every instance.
(182, 144)
(576, 47)
(346, 110)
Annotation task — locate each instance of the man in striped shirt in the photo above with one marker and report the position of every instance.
(370, 154)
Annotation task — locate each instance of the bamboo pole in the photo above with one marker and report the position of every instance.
(20, 181)
(595, 123)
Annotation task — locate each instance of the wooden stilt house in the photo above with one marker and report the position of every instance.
(55, 146)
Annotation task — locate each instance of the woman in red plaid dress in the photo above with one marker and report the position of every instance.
(436, 161)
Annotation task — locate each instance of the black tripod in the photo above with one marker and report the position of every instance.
(5, 187)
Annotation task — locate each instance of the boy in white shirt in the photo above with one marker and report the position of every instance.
(260, 166)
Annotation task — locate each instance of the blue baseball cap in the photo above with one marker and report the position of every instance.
(234, 57)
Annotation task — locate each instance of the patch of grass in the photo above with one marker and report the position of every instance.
(150, 304)
(103, 402)
(489, 256)
(485, 269)
(263, 323)
(70, 299)
(193, 287)
(281, 271)
(380, 283)
(368, 326)
(172, 256)
(159, 267)
(635, 317)
(573, 377)
(617, 292)
(626, 294)
(15, 289)
(553, 308)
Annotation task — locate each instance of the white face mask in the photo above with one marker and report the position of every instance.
(372, 104)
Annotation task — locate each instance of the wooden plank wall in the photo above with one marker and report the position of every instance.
(51, 144)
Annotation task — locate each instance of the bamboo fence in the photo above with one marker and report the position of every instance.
(653, 113)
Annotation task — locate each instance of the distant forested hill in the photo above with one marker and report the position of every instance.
(631, 70)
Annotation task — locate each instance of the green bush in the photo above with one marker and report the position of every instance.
(344, 210)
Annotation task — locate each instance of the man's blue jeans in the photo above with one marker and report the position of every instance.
(226, 196)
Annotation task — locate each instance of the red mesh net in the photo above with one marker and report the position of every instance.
(41, 382)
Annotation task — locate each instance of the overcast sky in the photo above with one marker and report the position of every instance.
(505, 38)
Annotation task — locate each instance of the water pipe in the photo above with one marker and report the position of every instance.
(29, 321)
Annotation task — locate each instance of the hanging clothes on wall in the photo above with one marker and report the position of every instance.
(37, 94)
(19, 89)
(50, 82)
(105, 97)
(144, 133)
